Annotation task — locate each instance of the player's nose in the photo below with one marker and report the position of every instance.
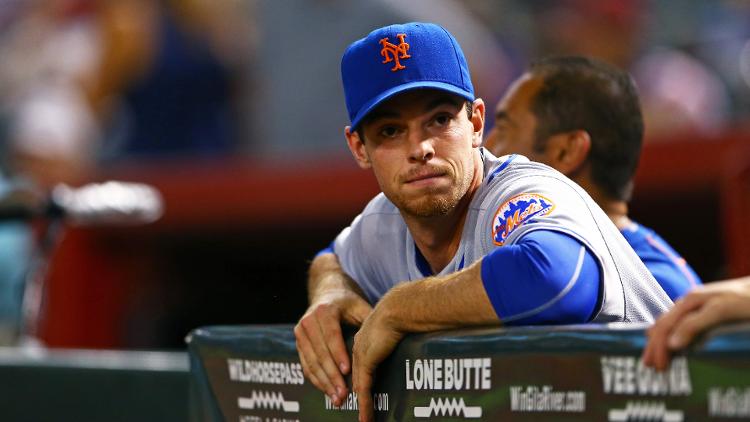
(422, 149)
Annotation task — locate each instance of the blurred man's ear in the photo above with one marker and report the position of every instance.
(567, 152)
(357, 147)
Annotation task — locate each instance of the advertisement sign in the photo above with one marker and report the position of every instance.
(575, 373)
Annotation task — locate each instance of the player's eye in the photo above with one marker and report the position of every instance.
(388, 131)
(443, 119)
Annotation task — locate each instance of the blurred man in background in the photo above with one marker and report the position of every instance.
(582, 117)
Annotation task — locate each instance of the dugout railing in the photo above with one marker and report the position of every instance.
(572, 373)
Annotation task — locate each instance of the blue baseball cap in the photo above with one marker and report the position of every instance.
(397, 58)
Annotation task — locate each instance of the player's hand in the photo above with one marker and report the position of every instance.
(701, 309)
(320, 343)
(373, 343)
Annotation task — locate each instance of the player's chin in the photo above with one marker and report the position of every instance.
(429, 205)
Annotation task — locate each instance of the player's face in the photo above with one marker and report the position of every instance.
(515, 124)
(421, 146)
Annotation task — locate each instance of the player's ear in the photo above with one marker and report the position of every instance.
(357, 147)
(477, 122)
(568, 151)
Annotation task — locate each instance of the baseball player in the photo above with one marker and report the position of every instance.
(582, 117)
(457, 237)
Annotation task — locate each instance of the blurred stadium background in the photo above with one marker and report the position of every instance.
(234, 110)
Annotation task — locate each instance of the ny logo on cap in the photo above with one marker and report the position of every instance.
(393, 52)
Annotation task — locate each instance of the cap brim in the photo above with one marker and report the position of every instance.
(385, 95)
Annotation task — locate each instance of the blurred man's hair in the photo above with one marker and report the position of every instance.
(580, 93)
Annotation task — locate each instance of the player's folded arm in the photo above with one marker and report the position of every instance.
(546, 277)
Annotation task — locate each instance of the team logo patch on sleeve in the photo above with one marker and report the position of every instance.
(517, 211)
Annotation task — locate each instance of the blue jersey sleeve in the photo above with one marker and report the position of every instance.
(547, 277)
(670, 270)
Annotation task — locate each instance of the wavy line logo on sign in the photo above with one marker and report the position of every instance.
(447, 407)
(267, 400)
(645, 412)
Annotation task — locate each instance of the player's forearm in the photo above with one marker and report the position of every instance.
(327, 282)
(438, 303)
(326, 276)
